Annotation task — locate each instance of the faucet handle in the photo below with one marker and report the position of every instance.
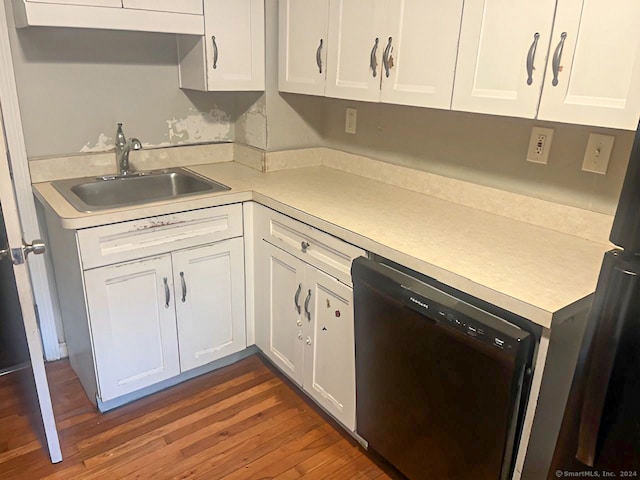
(135, 144)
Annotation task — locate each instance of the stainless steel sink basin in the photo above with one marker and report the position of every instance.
(89, 194)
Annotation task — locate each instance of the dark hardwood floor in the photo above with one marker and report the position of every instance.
(241, 422)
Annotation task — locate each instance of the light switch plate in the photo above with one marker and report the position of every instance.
(540, 145)
(598, 153)
(351, 121)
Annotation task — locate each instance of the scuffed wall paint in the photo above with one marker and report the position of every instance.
(251, 126)
(214, 126)
(103, 144)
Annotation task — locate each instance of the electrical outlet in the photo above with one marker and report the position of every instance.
(598, 153)
(351, 121)
(540, 145)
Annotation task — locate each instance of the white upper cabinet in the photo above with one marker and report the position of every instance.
(178, 6)
(593, 70)
(231, 54)
(393, 51)
(356, 43)
(209, 288)
(86, 3)
(501, 57)
(303, 46)
(420, 49)
(166, 16)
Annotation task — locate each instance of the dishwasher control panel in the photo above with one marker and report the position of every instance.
(450, 318)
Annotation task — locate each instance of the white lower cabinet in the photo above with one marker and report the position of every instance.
(304, 322)
(154, 318)
(133, 325)
(209, 286)
(147, 300)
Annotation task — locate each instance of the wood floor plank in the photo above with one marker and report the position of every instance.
(240, 422)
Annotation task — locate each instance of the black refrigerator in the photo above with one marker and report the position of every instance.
(600, 433)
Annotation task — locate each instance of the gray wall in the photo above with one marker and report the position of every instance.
(75, 84)
(484, 149)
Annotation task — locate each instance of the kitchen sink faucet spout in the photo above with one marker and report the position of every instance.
(123, 147)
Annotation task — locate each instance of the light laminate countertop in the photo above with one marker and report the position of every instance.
(534, 272)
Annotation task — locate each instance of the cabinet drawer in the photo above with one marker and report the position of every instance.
(150, 236)
(324, 251)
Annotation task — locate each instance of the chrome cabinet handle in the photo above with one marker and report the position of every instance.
(304, 246)
(557, 56)
(296, 298)
(319, 56)
(184, 287)
(306, 306)
(215, 52)
(308, 341)
(531, 56)
(167, 293)
(374, 61)
(385, 57)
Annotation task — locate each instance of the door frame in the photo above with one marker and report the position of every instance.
(45, 294)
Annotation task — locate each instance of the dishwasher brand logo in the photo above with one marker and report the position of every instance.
(419, 303)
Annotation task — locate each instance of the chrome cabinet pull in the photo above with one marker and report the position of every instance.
(306, 306)
(374, 61)
(319, 56)
(531, 56)
(385, 57)
(167, 293)
(184, 287)
(296, 298)
(304, 246)
(215, 52)
(557, 56)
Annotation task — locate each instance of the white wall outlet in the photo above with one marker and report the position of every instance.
(351, 121)
(540, 145)
(598, 153)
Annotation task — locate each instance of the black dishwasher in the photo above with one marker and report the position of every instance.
(440, 383)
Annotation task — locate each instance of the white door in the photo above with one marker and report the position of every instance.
(234, 44)
(25, 297)
(133, 325)
(502, 55)
(357, 39)
(209, 288)
(88, 3)
(302, 59)
(329, 359)
(593, 71)
(419, 59)
(177, 6)
(280, 299)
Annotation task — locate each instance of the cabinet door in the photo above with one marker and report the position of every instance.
(133, 325)
(280, 297)
(356, 43)
(177, 6)
(86, 3)
(303, 46)
(596, 76)
(423, 45)
(209, 287)
(329, 359)
(234, 44)
(502, 55)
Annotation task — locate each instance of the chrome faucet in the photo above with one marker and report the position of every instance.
(123, 147)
